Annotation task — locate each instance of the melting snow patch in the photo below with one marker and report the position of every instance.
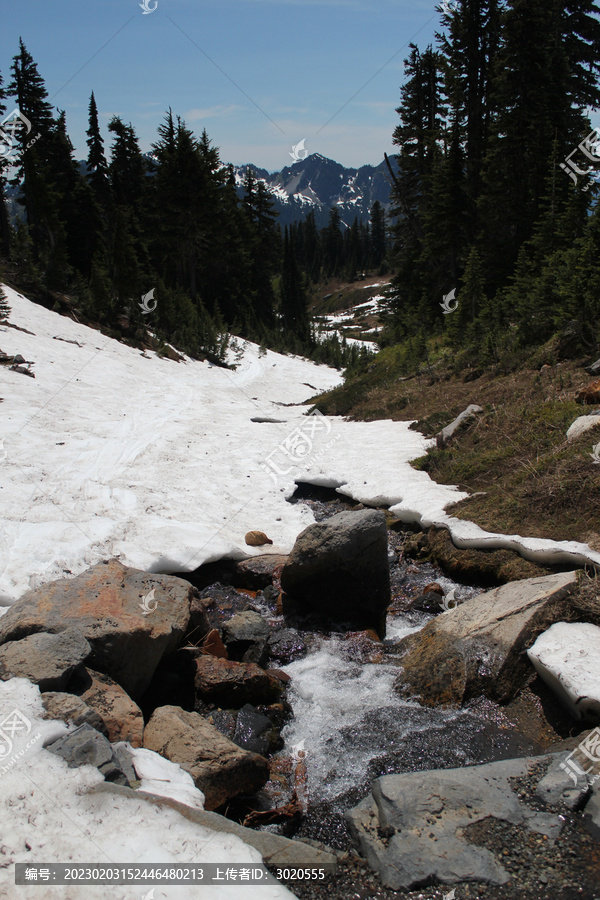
(567, 657)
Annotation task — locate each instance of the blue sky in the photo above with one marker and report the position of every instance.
(259, 75)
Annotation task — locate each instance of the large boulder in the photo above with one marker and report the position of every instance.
(339, 570)
(480, 647)
(245, 636)
(122, 717)
(232, 684)
(48, 660)
(567, 658)
(220, 769)
(414, 828)
(130, 618)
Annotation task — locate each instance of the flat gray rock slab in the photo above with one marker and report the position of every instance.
(275, 849)
(411, 827)
(47, 660)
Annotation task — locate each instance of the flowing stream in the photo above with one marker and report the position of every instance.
(352, 725)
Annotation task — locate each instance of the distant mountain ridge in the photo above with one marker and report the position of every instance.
(318, 183)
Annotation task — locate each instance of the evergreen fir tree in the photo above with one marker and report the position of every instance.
(4, 307)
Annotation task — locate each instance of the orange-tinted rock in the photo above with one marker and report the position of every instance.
(589, 394)
(364, 646)
(433, 586)
(122, 717)
(213, 645)
(280, 674)
(130, 618)
(232, 684)
(257, 539)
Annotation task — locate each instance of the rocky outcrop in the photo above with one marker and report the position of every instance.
(567, 658)
(122, 717)
(232, 684)
(444, 437)
(338, 570)
(220, 769)
(413, 827)
(480, 646)
(130, 618)
(48, 660)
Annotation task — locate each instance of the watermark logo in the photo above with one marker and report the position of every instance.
(595, 454)
(299, 446)
(590, 748)
(145, 304)
(13, 727)
(146, 604)
(590, 147)
(9, 128)
(3, 451)
(449, 602)
(297, 149)
(15, 723)
(446, 303)
(147, 9)
(449, 6)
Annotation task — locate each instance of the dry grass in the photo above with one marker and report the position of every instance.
(536, 482)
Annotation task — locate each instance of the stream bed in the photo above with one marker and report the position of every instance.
(352, 725)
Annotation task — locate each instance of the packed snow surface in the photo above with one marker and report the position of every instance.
(567, 657)
(48, 813)
(109, 452)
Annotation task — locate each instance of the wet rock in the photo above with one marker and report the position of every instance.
(221, 603)
(338, 569)
(86, 746)
(245, 636)
(286, 645)
(567, 658)
(232, 684)
(480, 646)
(444, 437)
(224, 721)
(257, 572)
(198, 625)
(363, 647)
(430, 602)
(220, 769)
(121, 716)
(255, 732)
(48, 660)
(411, 828)
(130, 618)
(212, 645)
(72, 709)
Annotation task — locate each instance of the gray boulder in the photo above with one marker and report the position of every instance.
(412, 828)
(86, 746)
(48, 660)
(339, 570)
(130, 618)
(480, 647)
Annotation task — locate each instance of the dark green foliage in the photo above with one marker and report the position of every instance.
(483, 206)
(4, 307)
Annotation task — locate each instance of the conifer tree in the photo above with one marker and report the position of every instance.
(96, 161)
(4, 307)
